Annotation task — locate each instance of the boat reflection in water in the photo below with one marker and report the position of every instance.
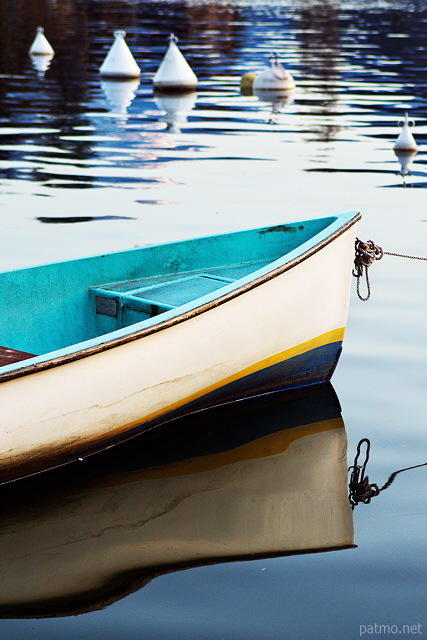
(256, 478)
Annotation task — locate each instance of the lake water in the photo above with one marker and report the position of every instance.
(140, 169)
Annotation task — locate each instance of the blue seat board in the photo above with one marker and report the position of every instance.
(182, 291)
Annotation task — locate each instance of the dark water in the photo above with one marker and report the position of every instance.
(73, 151)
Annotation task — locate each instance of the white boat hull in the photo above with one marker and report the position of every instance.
(69, 410)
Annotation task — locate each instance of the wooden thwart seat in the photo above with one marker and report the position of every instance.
(9, 356)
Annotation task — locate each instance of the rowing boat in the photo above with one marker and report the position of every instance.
(97, 349)
(260, 478)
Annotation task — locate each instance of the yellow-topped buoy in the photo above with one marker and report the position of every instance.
(247, 83)
(41, 45)
(405, 141)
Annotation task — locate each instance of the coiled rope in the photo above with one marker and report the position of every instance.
(365, 255)
(360, 489)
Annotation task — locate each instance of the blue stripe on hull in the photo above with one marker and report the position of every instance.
(309, 368)
(313, 367)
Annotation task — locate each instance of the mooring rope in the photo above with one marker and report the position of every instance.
(365, 255)
(360, 489)
(404, 255)
(393, 475)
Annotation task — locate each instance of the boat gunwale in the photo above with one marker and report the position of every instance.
(186, 315)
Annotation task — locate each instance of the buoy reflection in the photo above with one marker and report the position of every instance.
(175, 109)
(41, 63)
(405, 159)
(119, 94)
(277, 100)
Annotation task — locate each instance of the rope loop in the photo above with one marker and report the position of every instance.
(360, 489)
(365, 255)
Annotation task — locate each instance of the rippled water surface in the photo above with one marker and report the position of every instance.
(88, 166)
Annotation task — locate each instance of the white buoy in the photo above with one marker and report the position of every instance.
(120, 94)
(405, 141)
(119, 62)
(41, 46)
(174, 73)
(274, 78)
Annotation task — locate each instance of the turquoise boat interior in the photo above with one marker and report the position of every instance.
(51, 307)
